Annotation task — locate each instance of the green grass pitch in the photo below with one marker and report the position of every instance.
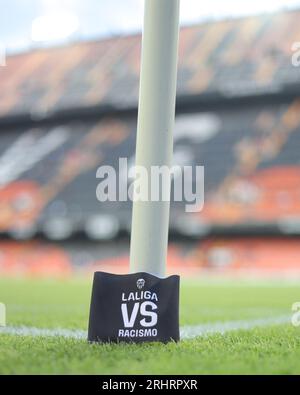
(65, 304)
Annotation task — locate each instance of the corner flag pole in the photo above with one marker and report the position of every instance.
(154, 147)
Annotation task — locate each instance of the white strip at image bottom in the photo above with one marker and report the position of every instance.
(186, 332)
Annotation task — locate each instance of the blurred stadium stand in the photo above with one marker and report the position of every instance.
(65, 111)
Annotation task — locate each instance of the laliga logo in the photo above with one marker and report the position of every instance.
(142, 310)
(140, 283)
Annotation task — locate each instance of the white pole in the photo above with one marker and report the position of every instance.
(150, 220)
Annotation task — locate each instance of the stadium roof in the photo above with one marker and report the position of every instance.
(229, 58)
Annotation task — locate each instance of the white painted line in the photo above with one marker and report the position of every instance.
(186, 332)
(189, 332)
(43, 332)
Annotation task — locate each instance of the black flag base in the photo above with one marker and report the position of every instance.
(136, 307)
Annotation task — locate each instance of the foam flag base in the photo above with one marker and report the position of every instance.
(136, 307)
